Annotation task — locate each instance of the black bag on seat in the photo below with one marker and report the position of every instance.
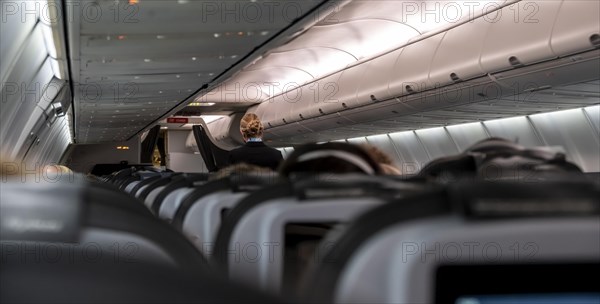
(499, 159)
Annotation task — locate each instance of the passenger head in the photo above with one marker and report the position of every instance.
(251, 126)
(242, 169)
(384, 160)
(329, 158)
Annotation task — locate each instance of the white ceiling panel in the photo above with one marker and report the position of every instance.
(134, 61)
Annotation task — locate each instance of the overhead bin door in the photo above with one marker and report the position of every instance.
(380, 72)
(457, 57)
(577, 27)
(347, 85)
(519, 34)
(411, 70)
(321, 97)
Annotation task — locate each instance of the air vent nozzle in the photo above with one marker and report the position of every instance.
(515, 62)
(455, 77)
(595, 40)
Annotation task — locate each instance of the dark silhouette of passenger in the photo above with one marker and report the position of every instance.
(254, 152)
(242, 169)
(330, 157)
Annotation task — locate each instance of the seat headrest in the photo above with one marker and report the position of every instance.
(329, 157)
(41, 212)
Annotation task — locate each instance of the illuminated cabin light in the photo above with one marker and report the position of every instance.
(194, 58)
(122, 147)
(264, 33)
(201, 104)
(121, 37)
(161, 36)
(217, 35)
(147, 60)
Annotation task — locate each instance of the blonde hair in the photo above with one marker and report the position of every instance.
(251, 126)
(389, 169)
(378, 155)
(384, 160)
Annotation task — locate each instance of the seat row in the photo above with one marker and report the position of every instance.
(354, 238)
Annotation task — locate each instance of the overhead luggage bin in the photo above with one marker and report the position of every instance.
(347, 83)
(519, 35)
(453, 62)
(321, 97)
(577, 27)
(411, 70)
(374, 84)
(278, 109)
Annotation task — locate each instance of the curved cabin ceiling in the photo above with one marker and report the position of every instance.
(359, 31)
(135, 62)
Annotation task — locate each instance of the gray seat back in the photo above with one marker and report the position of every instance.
(203, 220)
(399, 264)
(257, 243)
